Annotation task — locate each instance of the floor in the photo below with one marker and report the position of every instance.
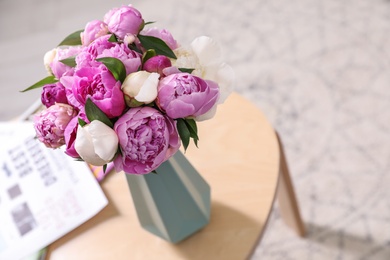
(319, 70)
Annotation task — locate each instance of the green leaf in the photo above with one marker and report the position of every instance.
(196, 142)
(132, 102)
(72, 39)
(71, 61)
(112, 38)
(81, 122)
(94, 113)
(104, 168)
(41, 83)
(184, 133)
(161, 48)
(143, 24)
(148, 54)
(191, 124)
(134, 48)
(186, 70)
(115, 66)
(141, 27)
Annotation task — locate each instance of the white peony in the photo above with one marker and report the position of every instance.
(140, 88)
(204, 55)
(96, 143)
(48, 58)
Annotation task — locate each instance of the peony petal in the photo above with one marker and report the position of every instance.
(208, 115)
(207, 50)
(179, 109)
(224, 75)
(171, 70)
(104, 139)
(133, 82)
(84, 147)
(148, 91)
(48, 59)
(67, 81)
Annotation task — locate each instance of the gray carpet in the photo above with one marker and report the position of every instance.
(319, 70)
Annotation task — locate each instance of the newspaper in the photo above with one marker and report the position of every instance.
(44, 193)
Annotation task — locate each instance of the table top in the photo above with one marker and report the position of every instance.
(238, 156)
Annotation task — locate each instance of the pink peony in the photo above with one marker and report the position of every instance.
(50, 124)
(58, 68)
(147, 138)
(98, 84)
(123, 21)
(93, 30)
(184, 95)
(163, 34)
(101, 48)
(71, 134)
(70, 137)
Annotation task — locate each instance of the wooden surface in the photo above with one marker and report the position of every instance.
(288, 203)
(238, 156)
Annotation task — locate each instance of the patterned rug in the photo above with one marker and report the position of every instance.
(320, 71)
(323, 80)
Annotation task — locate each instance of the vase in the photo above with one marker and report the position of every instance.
(174, 203)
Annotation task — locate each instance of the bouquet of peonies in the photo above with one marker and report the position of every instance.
(118, 92)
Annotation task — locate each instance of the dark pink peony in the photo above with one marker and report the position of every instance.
(70, 137)
(157, 64)
(53, 93)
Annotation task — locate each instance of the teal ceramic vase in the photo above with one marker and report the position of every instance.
(174, 203)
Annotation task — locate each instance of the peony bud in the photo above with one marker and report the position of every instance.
(140, 88)
(93, 30)
(157, 64)
(96, 143)
(53, 93)
(123, 21)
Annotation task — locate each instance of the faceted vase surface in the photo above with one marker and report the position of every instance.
(174, 203)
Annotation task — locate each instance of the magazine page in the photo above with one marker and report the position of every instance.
(44, 193)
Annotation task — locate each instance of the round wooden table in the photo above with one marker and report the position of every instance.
(238, 156)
